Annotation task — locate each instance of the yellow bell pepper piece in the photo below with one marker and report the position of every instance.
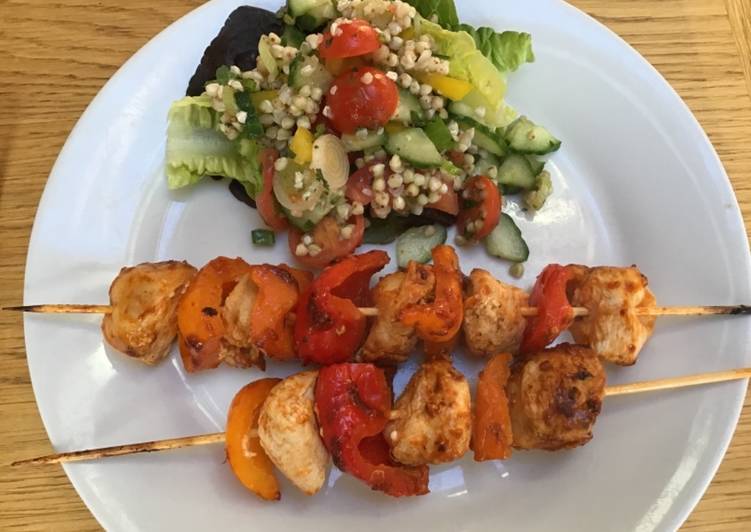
(302, 145)
(257, 97)
(394, 127)
(451, 88)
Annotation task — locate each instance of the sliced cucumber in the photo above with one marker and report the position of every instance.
(535, 164)
(313, 13)
(309, 71)
(409, 110)
(484, 164)
(438, 132)
(506, 242)
(414, 146)
(486, 138)
(415, 244)
(524, 136)
(300, 7)
(515, 171)
(355, 143)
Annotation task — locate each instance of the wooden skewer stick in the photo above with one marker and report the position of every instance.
(705, 310)
(219, 437)
(678, 382)
(63, 309)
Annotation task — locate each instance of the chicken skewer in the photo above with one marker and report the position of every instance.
(219, 437)
(617, 320)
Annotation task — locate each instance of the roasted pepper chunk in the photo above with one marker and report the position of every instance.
(438, 323)
(201, 326)
(270, 325)
(554, 312)
(491, 429)
(245, 455)
(353, 402)
(329, 328)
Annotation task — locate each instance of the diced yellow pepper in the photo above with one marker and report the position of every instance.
(302, 145)
(451, 88)
(394, 127)
(257, 97)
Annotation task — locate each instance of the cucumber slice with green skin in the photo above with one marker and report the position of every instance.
(438, 132)
(415, 244)
(524, 136)
(298, 8)
(309, 71)
(515, 171)
(484, 164)
(355, 143)
(535, 164)
(414, 146)
(506, 242)
(408, 110)
(486, 138)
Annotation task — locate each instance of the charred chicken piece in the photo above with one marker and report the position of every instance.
(435, 417)
(144, 299)
(389, 340)
(555, 396)
(611, 295)
(288, 430)
(493, 322)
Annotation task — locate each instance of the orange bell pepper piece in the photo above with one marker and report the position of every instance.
(246, 457)
(491, 428)
(303, 277)
(438, 323)
(270, 326)
(199, 320)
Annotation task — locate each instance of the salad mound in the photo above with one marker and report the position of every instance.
(351, 121)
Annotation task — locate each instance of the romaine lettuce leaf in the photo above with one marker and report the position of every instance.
(508, 50)
(443, 12)
(195, 148)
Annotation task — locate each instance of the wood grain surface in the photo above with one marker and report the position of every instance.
(54, 58)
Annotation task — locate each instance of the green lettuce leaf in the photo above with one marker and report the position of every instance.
(508, 50)
(195, 148)
(442, 12)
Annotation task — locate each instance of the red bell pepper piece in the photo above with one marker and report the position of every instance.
(352, 403)
(329, 327)
(554, 312)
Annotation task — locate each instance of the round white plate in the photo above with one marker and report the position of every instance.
(636, 181)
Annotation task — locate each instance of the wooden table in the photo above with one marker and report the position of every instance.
(55, 58)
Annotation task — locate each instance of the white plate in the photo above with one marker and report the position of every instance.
(637, 181)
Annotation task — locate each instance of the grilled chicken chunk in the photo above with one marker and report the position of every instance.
(435, 417)
(144, 298)
(389, 340)
(238, 350)
(554, 397)
(288, 430)
(492, 315)
(612, 295)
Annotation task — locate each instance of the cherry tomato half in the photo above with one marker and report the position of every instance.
(478, 219)
(359, 185)
(448, 203)
(362, 97)
(326, 235)
(266, 202)
(351, 39)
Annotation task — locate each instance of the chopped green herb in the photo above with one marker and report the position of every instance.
(223, 75)
(263, 237)
(439, 133)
